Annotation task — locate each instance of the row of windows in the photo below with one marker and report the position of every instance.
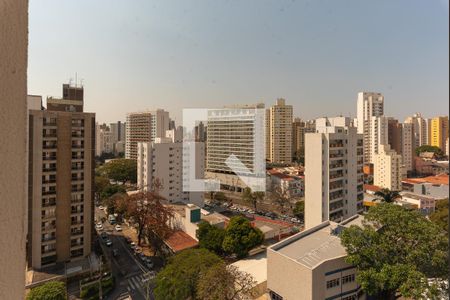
(345, 279)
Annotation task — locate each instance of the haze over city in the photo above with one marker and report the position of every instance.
(139, 55)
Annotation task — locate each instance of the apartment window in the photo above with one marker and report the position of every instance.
(332, 283)
(352, 297)
(348, 278)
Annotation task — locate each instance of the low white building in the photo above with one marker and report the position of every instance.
(163, 160)
(425, 204)
(291, 186)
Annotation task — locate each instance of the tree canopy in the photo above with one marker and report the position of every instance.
(440, 215)
(252, 198)
(428, 148)
(52, 290)
(210, 237)
(396, 251)
(241, 236)
(388, 196)
(299, 209)
(121, 170)
(179, 278)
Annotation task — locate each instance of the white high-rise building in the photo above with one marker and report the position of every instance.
(378, 135)
(420, 128)
(333, 171)
(163, 160)
(144, 127)
(370, 106)
(279, 132)
(388, 169)
(104, 142)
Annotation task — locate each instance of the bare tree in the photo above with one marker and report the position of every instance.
(280, 198)
(225, 282)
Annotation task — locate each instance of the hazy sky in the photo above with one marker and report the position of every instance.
(137, 55)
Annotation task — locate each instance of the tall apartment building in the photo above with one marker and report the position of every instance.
(370, 106)
(279, 132)
(401, 139)
(420, 129)
(61, 179)
(333, 171)
(238, 131)
(163, 160)
(299, 128)
(439, 132)
(118, 131)
(144, 127)
(104, 142)
(388, 169)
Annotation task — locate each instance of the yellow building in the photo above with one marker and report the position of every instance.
(439, 132)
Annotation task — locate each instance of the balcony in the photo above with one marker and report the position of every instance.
(77, 135)
(48, 239)
(75, 157)
(77, 232)
(49, 134)
(80, 178)
(336, 187)
(48, 204)
(49, 252)
(48, 228)
(49, 216)
(336, 166)
(336, 145)
(76, 211)
(76, 222)
(47, 181)
(77, 123)
(49, 123)
(77, 168)
(46, 158)
(49, 146)
(77, 200)
(45, 193)
(76, 244)
(75, 146)
(52, 169)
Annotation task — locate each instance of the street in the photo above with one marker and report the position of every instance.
(129, 272)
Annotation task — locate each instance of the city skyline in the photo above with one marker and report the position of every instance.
(147, 56)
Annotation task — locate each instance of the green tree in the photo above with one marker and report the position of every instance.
(112, 189)
(428, 148)
(252, 198)
(179, 278)
(299, 209)
(221, 282)
(241, 236)
(220, 196)
(121, 170)
(388, 196)
(210, 237)
(100, 183)
(440, 215)
(396, 251)
(52, 290)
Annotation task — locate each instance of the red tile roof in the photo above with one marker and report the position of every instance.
(179, 240)
(372, 188)
(438, 179)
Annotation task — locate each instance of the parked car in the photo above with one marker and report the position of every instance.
(108, 242)
(118, 227)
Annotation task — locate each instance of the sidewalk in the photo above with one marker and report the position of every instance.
(130, 232)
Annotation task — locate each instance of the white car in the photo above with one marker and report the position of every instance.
(118, 228)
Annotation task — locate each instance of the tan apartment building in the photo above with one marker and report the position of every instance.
(311, 265)
(388, 169)
(333, 171)
(61, 179)
(420, 129)
(439, 132)
(144, 127)
(279, 132)
(299, 128)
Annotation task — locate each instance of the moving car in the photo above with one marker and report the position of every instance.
(108, 242)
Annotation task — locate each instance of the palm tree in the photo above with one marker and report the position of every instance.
(388, 196)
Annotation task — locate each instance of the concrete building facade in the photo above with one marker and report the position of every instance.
(333, 171)
(311, 265)
(370, 106)
(61, 179)
(144, 127)
(163, 160)
(279, 132)
(388, 169)
(420, 129)
(104, 142)
(439, 132)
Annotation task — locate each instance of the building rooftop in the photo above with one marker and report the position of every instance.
(255, 265)
(371, 188)
(417, 196)
(437, 179)
(316, 245)
(179, 240)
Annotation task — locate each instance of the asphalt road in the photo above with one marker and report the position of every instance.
(127, 268)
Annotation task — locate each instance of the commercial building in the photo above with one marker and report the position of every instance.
(370, 106)
(163, 160)
(433, 186)
(439, 132)
(388, 169)
(420, 129)
(311, 265)
(144, 127)
(238, 131)
(279, 132)
(61, 178)
(333, 171)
